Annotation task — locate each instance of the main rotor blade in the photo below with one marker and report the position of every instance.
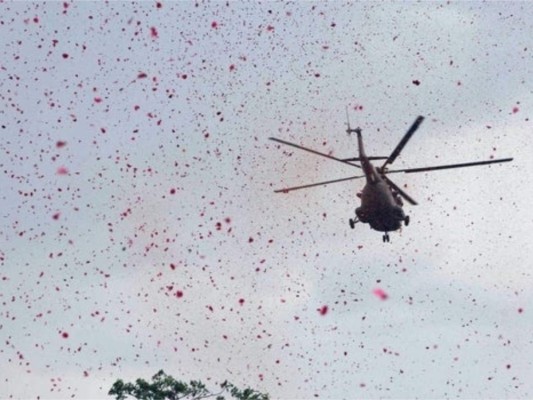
(317, 184)
(400, 191)
(462, 165)
(404, 141)
(314, 152)
(370, 158)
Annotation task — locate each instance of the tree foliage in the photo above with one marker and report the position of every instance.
(165, 387)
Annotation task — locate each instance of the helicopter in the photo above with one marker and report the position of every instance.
(381, 199)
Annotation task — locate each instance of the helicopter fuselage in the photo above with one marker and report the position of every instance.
(380, 207)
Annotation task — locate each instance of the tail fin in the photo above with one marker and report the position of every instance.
(349, 130)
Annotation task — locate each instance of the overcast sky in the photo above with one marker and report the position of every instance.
(140, 230)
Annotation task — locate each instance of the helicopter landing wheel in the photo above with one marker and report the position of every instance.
(352, 223)
(406, 220)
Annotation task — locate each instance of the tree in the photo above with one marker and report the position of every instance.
(165, 387)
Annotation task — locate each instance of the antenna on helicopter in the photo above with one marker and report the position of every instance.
(349, 130)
